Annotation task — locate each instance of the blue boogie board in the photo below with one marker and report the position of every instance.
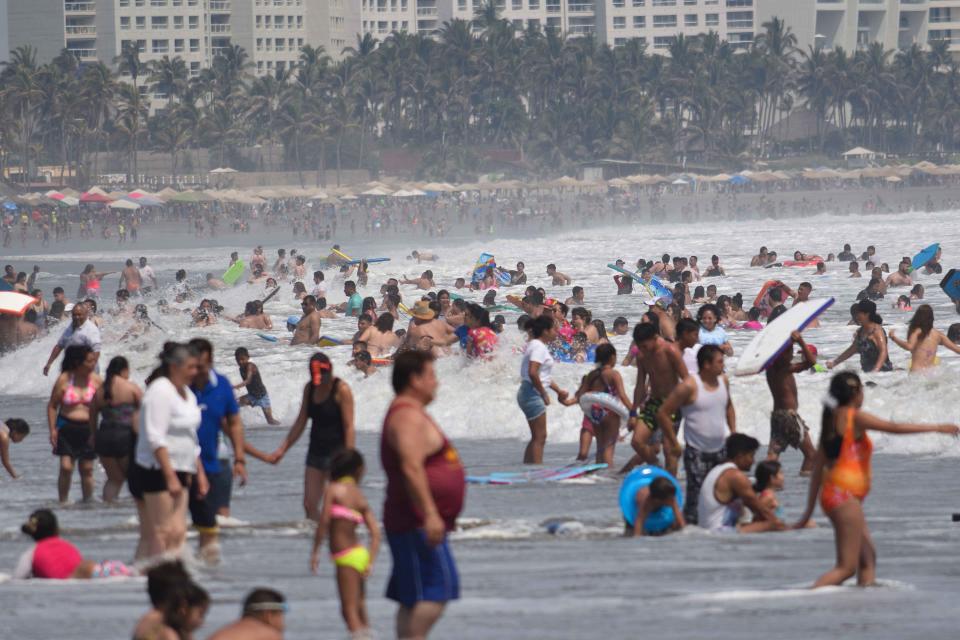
(654, 287)
(925, 256)
(951, 284)
(556, 474)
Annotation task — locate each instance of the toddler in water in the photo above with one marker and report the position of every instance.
(769, 480)
(660, 493)
(344, 508)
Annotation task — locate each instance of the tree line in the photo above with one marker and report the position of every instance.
(556, 101)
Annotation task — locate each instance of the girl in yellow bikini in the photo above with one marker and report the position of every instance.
(842, 471)
(344, 508)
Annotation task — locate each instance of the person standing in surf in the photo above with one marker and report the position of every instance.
(870, 340)
(787, 428)
(841, 476)
(704, 401)
(923, 340)
(660, 369)
(426, 486)
(536, 376)
(328, 403)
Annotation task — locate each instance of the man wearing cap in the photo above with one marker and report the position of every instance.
(81, 331)
(426, 332)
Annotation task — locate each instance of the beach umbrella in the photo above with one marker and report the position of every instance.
(126, 205)
(92, 196)
(10, 205)
(15, 303)
(738, 180)
(220, 170)
(680, 181)
(143, 201)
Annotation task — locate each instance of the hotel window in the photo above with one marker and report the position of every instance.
(712, 19)
(194, 45)
(664, 3)
(178, 22)
(161, 46)
(639, 3)
(178, 45)
(639, 22)
(619, 22)
(193, 22)
(661, 22)
(619, 4)
(125, 23)
(662, 42)
(517, 5)
(141, 22)
(259, 44)
(159, 22)
(690, 20)
(740, 20)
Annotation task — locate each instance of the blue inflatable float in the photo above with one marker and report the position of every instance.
(640, 478)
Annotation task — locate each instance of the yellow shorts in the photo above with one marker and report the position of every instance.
(357, 558)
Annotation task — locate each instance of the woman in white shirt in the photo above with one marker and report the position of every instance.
(536, 375)
(166, 460)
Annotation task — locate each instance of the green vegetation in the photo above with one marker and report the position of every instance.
(557, 101)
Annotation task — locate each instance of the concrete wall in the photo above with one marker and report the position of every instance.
(38, 23)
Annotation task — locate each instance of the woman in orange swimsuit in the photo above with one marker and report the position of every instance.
(842, 471)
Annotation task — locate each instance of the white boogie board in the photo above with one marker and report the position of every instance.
(775, 337)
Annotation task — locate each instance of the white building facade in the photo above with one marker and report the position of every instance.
(271, 31)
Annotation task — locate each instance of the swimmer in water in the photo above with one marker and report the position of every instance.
(902, 276)
(344, 509)
(841, 477)
(559, 279)
(308, 328)
(923, 340)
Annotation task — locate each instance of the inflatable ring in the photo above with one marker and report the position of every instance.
(640, 478)
(605, 401)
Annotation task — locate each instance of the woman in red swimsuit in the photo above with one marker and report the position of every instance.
(841, 476)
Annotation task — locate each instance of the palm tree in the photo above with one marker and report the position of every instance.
(22, 94)
(129, 123)
(169, 77)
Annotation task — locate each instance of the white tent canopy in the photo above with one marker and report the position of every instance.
(124, 204)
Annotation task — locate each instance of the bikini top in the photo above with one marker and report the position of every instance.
(74, 395)
(338, 511)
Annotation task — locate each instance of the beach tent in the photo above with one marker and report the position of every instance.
(860, 152)
(126, 205)
(220, 170)
(95, 195)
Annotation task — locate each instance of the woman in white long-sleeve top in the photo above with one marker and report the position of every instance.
(166, 460)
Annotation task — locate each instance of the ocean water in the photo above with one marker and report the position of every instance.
(518, 580)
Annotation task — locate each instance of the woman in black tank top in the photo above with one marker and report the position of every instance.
(328, 403)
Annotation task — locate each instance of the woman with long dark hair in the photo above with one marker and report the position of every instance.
(117, 405)
(328, 403)
(68, 416)
(167, 453)
(923, 340)
(841, 476)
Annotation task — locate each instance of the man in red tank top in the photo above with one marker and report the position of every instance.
(425, 493)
